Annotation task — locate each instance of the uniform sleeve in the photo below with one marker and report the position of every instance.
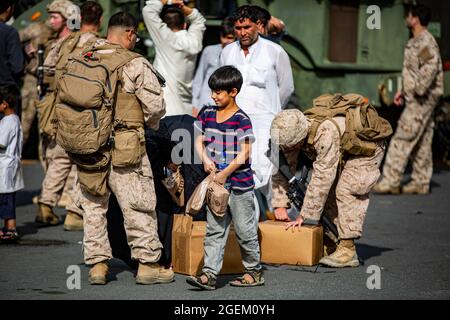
(140, 79)
(326, 144)
(285, 79)
(245, 131)
(429, 57)
(280, 185)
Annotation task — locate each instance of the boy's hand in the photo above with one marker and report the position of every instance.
(220, 178)
(208, 165)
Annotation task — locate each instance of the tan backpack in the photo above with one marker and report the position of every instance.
(47, 119)
(86, 98)
(364, 128)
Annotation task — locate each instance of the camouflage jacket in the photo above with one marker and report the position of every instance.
(140, 79)
(422, 69)
(326, 154)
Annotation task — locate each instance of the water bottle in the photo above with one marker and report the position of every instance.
(221, 165)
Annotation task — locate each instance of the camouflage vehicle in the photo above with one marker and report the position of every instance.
(334, 45)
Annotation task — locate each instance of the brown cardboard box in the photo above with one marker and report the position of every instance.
(187, 247)
(298, 246)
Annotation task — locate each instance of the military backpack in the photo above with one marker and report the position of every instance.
(364, 128)
(86, 98)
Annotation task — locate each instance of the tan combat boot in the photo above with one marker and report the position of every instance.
(46, 215)
(98, 273)
(150, 273)
(384, 188)
(414, 188)
(329, 246)
(344, 256)
(73, 222)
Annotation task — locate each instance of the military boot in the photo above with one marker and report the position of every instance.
(46, 215)
(150, 273)
(384, 188)
(344, 256)
(414, 188)
(98, 273)
(73, 222)
(329, 246)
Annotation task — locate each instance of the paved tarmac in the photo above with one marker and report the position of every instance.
(406, 238)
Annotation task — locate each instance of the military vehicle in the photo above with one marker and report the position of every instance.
(334, 45)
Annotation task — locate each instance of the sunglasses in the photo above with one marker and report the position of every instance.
(136, 34)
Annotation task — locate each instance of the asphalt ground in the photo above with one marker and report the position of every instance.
(406, 242)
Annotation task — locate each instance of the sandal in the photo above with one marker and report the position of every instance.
(242, 281)
(210, 284)
(9, 235)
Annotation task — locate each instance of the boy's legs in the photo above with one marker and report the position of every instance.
(217, 230)
(242, 208)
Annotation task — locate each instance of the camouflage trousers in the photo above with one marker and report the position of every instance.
(348, 199)
(412, 139)
(29, 98)
(56, 180)
(135, 193)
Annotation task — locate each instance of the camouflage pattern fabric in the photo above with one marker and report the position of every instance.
(345, 197)
(422, 88)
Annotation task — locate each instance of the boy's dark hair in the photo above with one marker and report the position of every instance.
(422, 12)
(10, 94)
(5, 4)
(91, 12)
(173, 17)
(227, 27)
(263, 15)
(245, 12)
(123, 19)
(226, 78)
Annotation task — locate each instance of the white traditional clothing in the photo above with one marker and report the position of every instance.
(267, 86)
(176, 55)
(209, 62)
(11, 140)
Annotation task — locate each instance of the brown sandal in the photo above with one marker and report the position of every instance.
(210, 284)
(242, 281)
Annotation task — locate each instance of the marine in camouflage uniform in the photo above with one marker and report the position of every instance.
(339, 190)
(132, 185)
(32, 36)
(422, 88)
(60, 174)
(59, 180)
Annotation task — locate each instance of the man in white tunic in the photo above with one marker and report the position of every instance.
(268, 83)
(176, 49)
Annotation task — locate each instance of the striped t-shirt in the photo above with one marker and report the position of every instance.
(222, 143)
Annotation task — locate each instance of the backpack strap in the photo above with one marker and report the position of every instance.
(313, 131)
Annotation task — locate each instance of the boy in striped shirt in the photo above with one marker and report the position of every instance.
(224, 145)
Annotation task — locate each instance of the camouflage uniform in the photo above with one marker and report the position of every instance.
(422, 88)
(57, 161)
(34, 35)
(343, 197)
(133, 186)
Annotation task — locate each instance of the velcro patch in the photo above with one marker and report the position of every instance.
(425, 54)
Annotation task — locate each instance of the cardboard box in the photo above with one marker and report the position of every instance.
(188, 251)
(298, 246)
